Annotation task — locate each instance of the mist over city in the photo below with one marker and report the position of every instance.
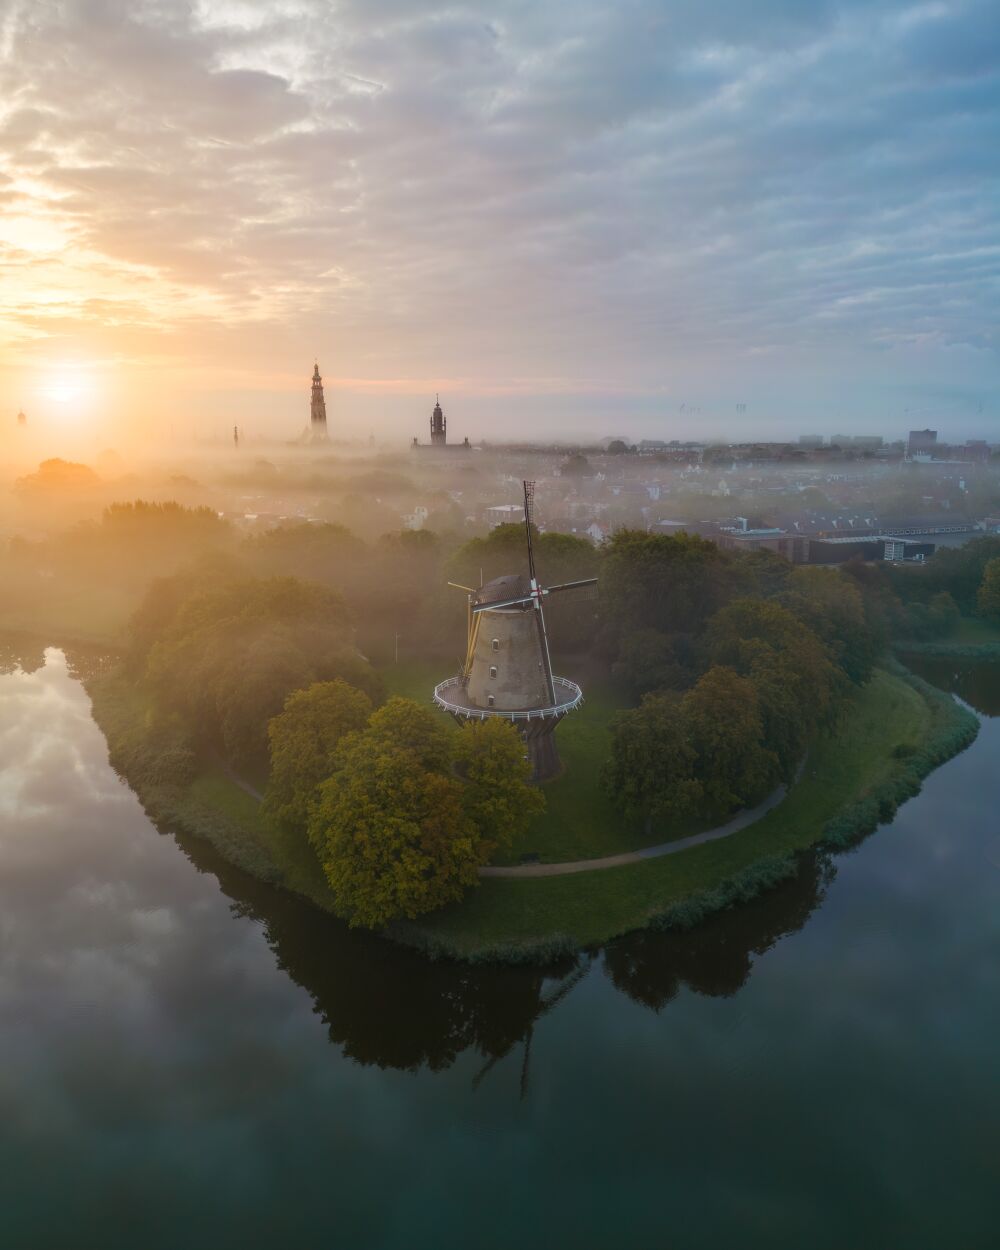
(499, 624)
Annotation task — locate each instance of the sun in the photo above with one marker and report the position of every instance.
(68, 384)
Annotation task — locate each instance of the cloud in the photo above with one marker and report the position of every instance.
(469, 190)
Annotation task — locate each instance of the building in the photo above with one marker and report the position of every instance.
(508, 670)
(504, 514)
(317, 410)
(867, 547)
(921, 442)
(439, 426)
(417, 519)
(22, 419)
(439, 434)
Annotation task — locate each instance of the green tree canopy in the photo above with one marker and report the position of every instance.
(398, 833)
(392, 837)
(558, 557)
(722, 718)
(667, 583)
(649, 660)
(230, 655)
(491, 758)
(988, 595)
(832, 606)
(798, 686)
(651, 772)
(303, 739)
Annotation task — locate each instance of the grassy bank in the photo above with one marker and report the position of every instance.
(972, 639)
(894, 732)
(579, 821)
(176, 790)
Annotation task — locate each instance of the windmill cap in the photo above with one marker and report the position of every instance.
(507, 587)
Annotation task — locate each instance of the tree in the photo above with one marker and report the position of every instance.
(58, 475)
(498, 798)
(668, 583)
(959, 570)
(577, 465)
(303, 739)
(617, 447)
(988, 596)
(944, 614)
(404, 725)
(722, 719)
(832, 606)
(558, 557)
(649, 660)
(396, 831)
(798, 686)
(231, 654)
(651, 772)
(392, 837)
(764, 572)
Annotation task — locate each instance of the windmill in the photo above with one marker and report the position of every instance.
(508, 668)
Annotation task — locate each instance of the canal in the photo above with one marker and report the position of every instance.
(191, 1058)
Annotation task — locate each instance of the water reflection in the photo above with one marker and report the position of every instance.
(385, 1005)
(976, 682)
(716, 958)
(172, 1038)
(381, 1004)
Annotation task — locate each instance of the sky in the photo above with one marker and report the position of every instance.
(570, 218)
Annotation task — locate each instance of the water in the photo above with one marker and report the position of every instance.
(188, 1058)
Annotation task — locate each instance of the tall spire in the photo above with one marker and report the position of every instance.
(317, 422)
(439, 426)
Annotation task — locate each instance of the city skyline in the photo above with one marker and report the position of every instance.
(650, 219)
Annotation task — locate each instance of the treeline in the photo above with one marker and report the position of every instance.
(384, 802)
(737, 660)
(223, 652)
(958, 580)
(260, 651)
(397, 810)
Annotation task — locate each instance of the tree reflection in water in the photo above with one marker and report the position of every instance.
(716, 957)
(389, 1006)
(385, 1005)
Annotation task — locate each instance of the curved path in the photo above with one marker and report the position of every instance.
(738, 822)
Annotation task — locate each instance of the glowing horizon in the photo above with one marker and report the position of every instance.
(617, 219)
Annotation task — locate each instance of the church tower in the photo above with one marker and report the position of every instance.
(318, 409)
(439, 425)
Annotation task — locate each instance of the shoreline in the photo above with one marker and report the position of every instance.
(544, 916)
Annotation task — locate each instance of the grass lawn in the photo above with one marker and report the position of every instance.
(592, 907)
(973, 629)
(579, 821)
(213, 788)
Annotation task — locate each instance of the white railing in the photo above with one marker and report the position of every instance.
(568, 696)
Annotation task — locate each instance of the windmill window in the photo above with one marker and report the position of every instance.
(493, 670)
(490, 700)
(495, 644)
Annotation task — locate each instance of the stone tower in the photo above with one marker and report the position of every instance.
(439, 425)
(317, 422)
(507, 671)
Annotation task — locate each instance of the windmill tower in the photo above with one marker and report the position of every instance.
(508, 670)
